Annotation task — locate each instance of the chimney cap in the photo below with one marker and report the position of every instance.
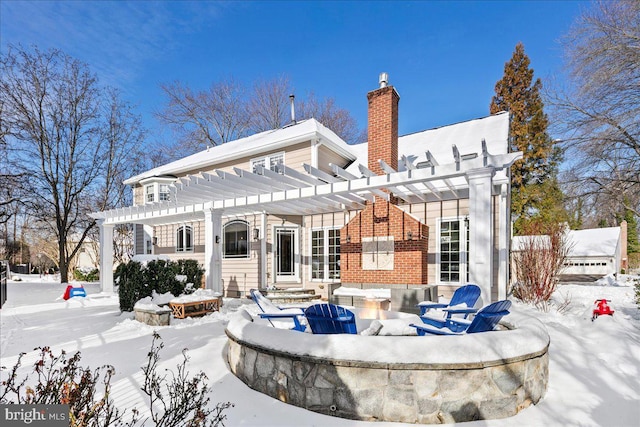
(383, 79)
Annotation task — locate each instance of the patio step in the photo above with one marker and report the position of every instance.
(291, 296)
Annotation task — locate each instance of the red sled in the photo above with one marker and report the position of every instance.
(602, 308)
(73, 291)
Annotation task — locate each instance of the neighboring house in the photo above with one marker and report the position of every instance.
(593, 252)
(298, 207)
(597, 251)
(87, 257)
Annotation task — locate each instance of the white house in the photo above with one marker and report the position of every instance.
(298, 207)
(593, 253)
(597, 251)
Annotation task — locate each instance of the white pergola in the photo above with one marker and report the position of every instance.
(208, 196)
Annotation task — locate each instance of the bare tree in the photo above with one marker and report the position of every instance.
(206, 118)
(229, 111)
(599, 112)
(9, 180)
(329, 114)
(73, 142)
(269, 105)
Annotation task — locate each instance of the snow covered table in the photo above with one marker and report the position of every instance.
(202, 301)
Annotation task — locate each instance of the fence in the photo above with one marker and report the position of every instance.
(4, 274)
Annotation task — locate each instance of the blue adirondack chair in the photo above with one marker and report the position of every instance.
(289, 317)
(485, 320)
(330, 319)
(461, 304)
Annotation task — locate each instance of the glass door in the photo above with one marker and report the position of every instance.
(453, 251)
(286, 254)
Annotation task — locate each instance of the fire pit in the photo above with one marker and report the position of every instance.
(410, 379)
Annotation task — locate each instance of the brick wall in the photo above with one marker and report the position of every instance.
(410, 264)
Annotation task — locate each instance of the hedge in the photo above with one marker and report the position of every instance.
(136, 281)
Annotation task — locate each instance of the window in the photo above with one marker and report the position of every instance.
(149, 191)
(236, 243)
(257, 163)
(163, 193)
(148, 247)
(272, 161)
(184, 239)
(454, 253)
(275, 161)
(325, 254)
(157, 188)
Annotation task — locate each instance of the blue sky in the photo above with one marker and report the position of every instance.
(443, 57)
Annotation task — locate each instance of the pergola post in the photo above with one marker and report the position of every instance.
(504, 237)
(263, 251)
(212, 250)
(481, 230)
(106, 256)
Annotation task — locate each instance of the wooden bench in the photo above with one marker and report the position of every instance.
(195, 308)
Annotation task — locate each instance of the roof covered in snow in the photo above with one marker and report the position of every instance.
(466, 136)
(252, 145)
(592, 242)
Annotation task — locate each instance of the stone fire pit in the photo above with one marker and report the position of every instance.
(410, 379)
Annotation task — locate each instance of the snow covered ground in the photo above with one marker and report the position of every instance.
(594, 366)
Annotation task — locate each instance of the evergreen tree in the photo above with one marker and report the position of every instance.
(633, 246)
(536, 194)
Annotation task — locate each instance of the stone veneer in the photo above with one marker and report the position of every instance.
(487, 383)
(161, 317)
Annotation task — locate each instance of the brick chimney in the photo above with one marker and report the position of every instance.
(383, 125)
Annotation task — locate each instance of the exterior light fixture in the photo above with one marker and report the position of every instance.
(256, 233)
(409, 235)
(348, 239)
(217, 239)
(155, 241)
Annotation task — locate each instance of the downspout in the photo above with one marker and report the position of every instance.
(315, 144)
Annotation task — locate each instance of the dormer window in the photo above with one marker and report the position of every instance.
(150, 192)
(156, 189)
(272, 161)
(163, 192)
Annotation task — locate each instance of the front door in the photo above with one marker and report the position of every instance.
(286, 254)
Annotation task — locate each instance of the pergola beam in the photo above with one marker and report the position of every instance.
(211, 192)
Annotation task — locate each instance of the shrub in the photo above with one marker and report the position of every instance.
(539, 262)
(175, 399)
(188, 400)
(86, 275)
(160, 275)
(130, 281)
(61, 380)
(637, 287)
(136, 281)
(191, 269)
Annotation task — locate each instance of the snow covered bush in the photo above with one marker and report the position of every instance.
(136, 281)
(175, 398)
(191, 269)
(538, 263)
